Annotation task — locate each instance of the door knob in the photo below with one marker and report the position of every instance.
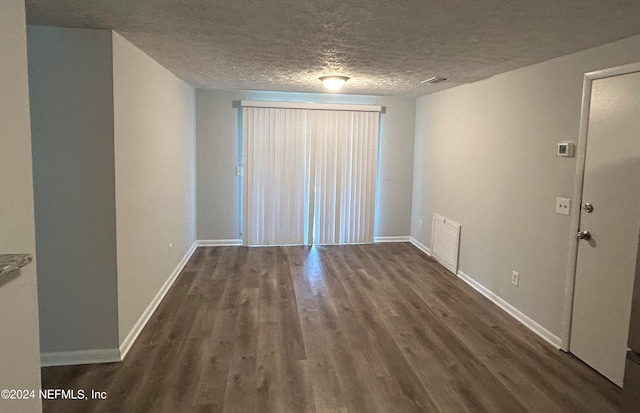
(588, 208)
(586, 235)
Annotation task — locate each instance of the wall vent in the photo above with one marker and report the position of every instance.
(445, 242)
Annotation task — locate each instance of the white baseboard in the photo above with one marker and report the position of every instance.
(68, 358)
(545, 334)
(144, 318)
(420, 246)
(401, 238)
(219, 242)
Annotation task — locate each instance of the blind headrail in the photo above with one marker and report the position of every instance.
(310, 106)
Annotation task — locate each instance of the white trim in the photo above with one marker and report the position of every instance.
(545, 334)
(144, 318)
(112, 355)
(400, 238)
(275, 245)
(575, 214)
(68, 358)
(420, 246)
(613, 71)
(219, 242)
(581, 153)
(308, 105)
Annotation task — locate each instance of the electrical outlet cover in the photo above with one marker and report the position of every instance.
(563, 206)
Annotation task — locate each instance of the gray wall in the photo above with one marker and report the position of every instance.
(218, 187)
(114, 150)
(70, 75)
(19, 350)
(154, 115)
(485, 157)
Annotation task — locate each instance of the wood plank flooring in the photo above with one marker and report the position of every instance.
(341, 329)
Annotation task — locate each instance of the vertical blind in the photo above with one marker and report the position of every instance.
(276, 170)
(346, 149)
(309, 175)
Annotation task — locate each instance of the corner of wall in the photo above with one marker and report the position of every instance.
(73, 187)
(130, 338)
(154, 138)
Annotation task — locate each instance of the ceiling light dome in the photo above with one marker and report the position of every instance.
(333, 82)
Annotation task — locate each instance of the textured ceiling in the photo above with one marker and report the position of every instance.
(387, 47)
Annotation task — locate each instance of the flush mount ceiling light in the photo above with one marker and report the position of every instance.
(333, 82)
(434, 79)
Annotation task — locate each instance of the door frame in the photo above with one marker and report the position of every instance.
(576, 206)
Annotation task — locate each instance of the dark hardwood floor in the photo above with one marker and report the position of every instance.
(363, 328)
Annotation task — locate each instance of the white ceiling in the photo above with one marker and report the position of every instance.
(387, 47)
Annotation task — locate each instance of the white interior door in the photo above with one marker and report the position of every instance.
(606, 263)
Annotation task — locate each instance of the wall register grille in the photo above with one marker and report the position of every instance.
(445, 242)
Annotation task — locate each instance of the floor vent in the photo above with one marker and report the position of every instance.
(445, 242)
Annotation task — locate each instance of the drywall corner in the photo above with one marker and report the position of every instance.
(154, 138)
(19, 346)
(71, 92)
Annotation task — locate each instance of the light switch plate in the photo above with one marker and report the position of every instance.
(563, 206)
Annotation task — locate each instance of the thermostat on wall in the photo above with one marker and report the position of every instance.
(565, 149)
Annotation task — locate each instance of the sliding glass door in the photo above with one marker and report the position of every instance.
(276, 171)
(309, 173)
(345, 149)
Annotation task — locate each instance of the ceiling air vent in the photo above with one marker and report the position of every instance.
(434, 79)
